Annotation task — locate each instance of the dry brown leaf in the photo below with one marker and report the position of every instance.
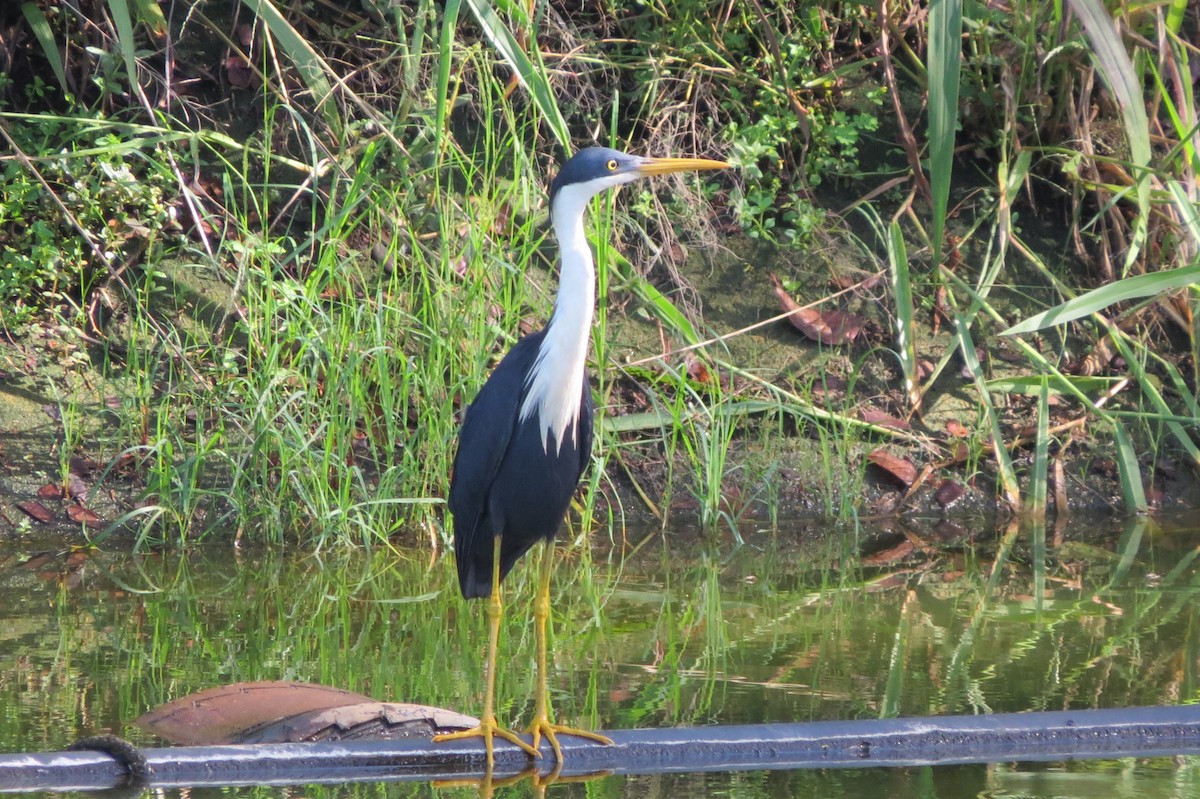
(873, 416)
(77, 559)
(37, 510)
(82, 515)
(37, 561)
(697, 370)
(828, 327)
(957, 429)
(238, 72)
(901, 469)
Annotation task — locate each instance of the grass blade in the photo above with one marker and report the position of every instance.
(124, 25)
(1008, 477)
(1038, 483)
(1124, 81)
(945, 63)
(1037, 553)
(1129, 470)
(41, 29)
(150, 14)
(313, 69)
(655, 301)
(1131, 543)
(906, 347)
(1149, 388)
(1187, 209)
(533, 77)
(1130, 288)
(1175, 15)
(445, 61)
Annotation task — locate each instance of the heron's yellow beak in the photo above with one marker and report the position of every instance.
(665, 166)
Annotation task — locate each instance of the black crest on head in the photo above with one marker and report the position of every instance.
(588, 164)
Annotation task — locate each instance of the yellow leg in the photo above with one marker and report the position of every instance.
(542, 725)
(488, 729)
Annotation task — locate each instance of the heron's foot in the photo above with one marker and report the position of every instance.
(489, 730)
(543, 727)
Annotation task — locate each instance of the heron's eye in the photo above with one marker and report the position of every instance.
(612, 165)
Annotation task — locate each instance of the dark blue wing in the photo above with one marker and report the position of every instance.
(487, 429)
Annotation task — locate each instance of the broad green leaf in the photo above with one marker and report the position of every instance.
(1131, 288)
(1056, 384)
(945, 62)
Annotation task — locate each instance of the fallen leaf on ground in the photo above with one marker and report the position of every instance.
(873, 416)
(827, 327)
(77, 559)
(82, 515)
(37, 510)
(957, 429)
(696, 369)
(900, 469)
(238, 72)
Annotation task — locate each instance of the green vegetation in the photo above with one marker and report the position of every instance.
(297, 239)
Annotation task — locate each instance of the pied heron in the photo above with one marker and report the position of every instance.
(527, 435)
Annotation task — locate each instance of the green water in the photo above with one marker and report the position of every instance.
(688, 630)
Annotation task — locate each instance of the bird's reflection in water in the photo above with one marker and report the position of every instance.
(538, 780)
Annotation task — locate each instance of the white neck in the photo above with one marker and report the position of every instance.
(555, 382)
